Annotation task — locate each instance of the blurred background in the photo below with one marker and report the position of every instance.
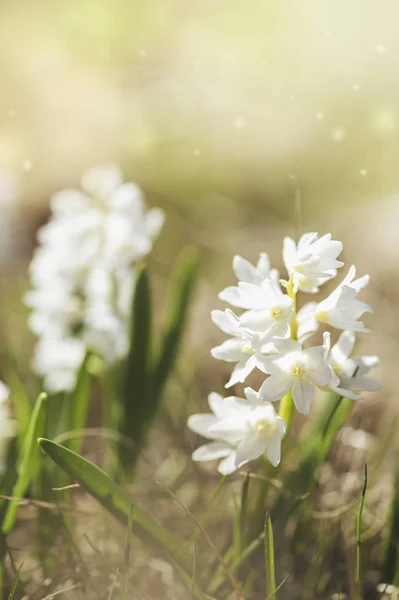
(219, 110)
(222, 111)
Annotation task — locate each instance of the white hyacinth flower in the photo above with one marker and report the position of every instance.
(249, 273)
(240, 430)
(313, 261)
(297, 370)
(246, 348)
(349, 372)
(8, 428)
(269, 310)
(58, 362)
(83, 272)
(341, 309)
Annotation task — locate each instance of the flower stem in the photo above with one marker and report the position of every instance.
(287, 403)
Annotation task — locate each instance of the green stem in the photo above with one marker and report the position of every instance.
(287, 404)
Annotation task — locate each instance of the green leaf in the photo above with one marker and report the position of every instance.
(137, 408)
(15, 583)
(27, 463)
(21, 403)
(177, 308)
(79, 404)
(99, 485)
(269, 558)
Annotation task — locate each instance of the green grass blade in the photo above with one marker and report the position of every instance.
(269, 558)
(21, 402)
(99, 485)
(15, 583)
(79, 404)
(177, 308)
(137, 407)
(358, 575)
(27, 462)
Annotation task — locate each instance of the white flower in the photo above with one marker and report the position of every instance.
(83, 272)
(7, 425)
(349, 373)
(246, 348)
(296, 370)
(249, 273)
(313, 261)
(342, 309)
(241, 430)
(58, 362)
(268, 310)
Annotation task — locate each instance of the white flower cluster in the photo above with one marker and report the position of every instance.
(269, 335)
(83, 272)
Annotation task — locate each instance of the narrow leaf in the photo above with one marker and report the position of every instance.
(99, 485)
(79, 404)
(358, 576)
(177, 309)
(26, 465)
(269, 558)
(15, 583)
(137, 403)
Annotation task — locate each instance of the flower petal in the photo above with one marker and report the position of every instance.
(211, 451)
(302, 394)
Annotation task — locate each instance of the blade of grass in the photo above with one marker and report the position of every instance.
(99, 485)
(79, 404)
(358, 575)
(27, 463)
(128, 546)
(269, 558)
(176, 314)
(15, 583)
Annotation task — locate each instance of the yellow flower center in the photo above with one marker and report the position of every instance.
(265, 426)
(297, 370)
(322, 316)
(275, 313)
(246, 348)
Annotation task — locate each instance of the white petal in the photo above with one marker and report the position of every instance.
(216, 402)
(289, 254)
(302, 393)
(232, 295)
(274, 449)
(223, 320)
(251, 447)
(101, 181)
(344, 347)
(275, 387)
(244, 271)
(229, 351)
(211, 451)
(242, 370)
(201, 423)
(154, 220)
(228, 465)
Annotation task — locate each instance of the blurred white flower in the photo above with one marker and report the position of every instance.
(296, 370)
(349, 373)
(82, 273)
(57, 361)
(7, 425)
(241, 430)
(313, 261)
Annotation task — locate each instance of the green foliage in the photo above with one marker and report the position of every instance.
(15, 583)
(146, 377)
(269, 558)
(176, 314)
(101, 487)
(79, 404)
(138, 407)
(27, 463)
